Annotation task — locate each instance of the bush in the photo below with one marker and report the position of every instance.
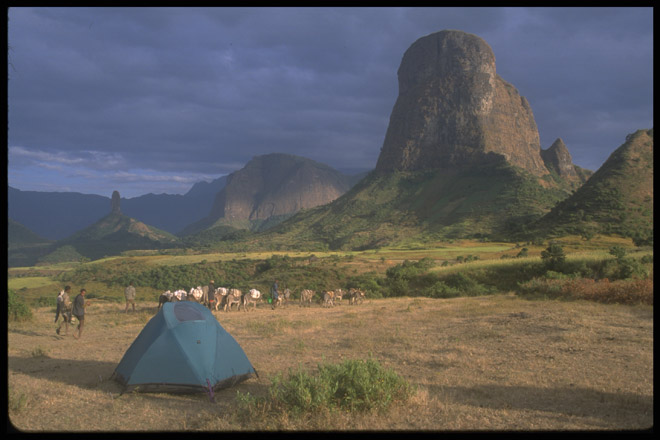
(16, 308)
(636, 291)
(354, 385)
(441, 290)
(604, 291)
(47, 301)
(466, 285)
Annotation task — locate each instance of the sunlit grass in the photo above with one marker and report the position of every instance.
(29, 282)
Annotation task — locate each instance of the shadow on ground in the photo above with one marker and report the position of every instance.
(570, 401)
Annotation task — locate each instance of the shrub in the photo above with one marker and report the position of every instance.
(618, 252)
(441, 290)
(354, 385)
(16, 308)
(466, 285)
(540, 287)
(636, 291)
(616, 292)
(47, 301)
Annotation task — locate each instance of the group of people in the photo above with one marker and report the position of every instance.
(68, 309)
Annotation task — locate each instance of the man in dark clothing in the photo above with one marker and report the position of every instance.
(210, 294)
(79, 311)
(275, 295)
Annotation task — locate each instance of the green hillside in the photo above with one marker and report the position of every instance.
(617, 199)
(19, 236)
(114, 234)
(24, 247)
(489, 200)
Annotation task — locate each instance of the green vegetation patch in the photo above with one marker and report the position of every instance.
(353, 385)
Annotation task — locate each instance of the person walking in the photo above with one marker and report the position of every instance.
(79, 305)
(208, 296)
(64, 309)
(129, 293)
(275, 295)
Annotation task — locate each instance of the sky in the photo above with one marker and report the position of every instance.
(153, 100)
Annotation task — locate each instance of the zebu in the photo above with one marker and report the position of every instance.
(328, 298)
(306, 297)
(220, 296)
(250, 297)
(356, 296)
(233, 297)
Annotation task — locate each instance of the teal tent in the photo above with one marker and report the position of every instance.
(183, 349)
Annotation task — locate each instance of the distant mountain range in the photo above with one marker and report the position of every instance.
(271, 187)
(57, 215)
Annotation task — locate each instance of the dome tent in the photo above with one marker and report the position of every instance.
(179, 350)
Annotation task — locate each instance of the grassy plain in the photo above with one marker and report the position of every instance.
(480, 363)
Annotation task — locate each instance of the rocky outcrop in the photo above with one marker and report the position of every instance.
(558, 159)
(114, 204)
(273, 185)
(453, 110)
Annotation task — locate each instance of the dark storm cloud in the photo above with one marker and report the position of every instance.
(159, 98)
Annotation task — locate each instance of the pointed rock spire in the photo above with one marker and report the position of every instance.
(115, 203)
(558, 159)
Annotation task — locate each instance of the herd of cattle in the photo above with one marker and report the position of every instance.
(225, 298)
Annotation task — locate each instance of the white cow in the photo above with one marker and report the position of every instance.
(251, 298)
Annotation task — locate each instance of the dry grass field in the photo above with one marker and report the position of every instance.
(480, 363)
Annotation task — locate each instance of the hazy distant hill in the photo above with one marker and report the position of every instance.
(20, 236)
(617, 199)
(24, 247)
(114, 234)
(57, 215)
(173, 212)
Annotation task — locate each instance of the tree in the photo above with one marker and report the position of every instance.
(553, 256)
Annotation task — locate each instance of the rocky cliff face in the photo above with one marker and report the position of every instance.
(453, 109)
(276, 185)
(558, 159)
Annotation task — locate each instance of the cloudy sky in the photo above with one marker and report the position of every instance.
(144, 100)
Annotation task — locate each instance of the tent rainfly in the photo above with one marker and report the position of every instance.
(183, 349)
